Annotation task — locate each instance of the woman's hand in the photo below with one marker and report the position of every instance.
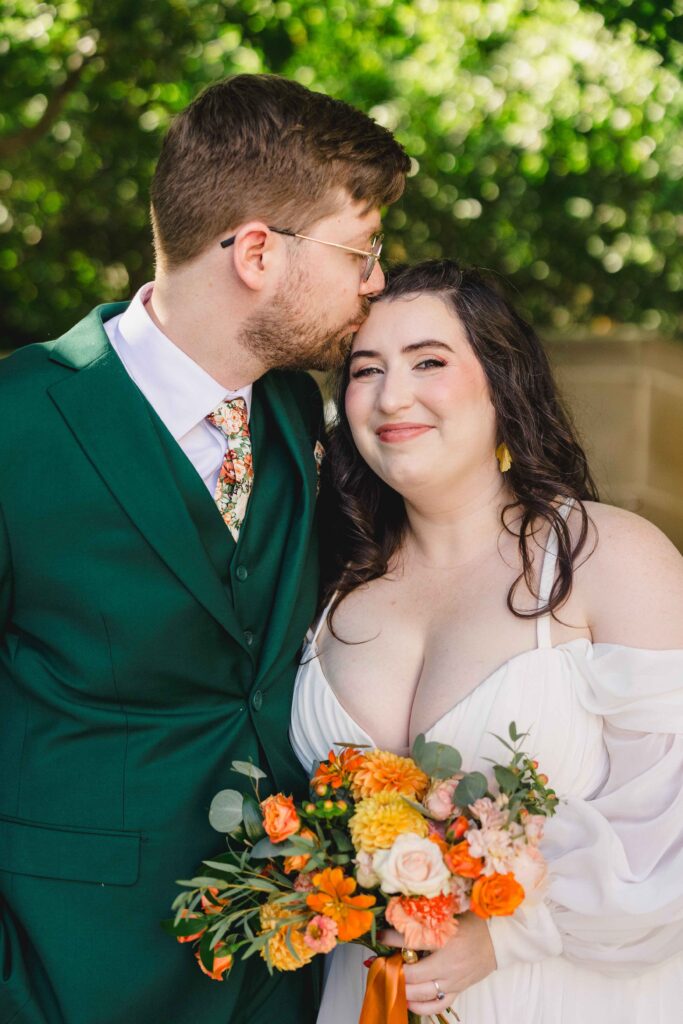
(463, 961)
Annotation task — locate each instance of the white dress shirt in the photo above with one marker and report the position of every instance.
(181, 393)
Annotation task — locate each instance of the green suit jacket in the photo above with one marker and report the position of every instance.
(141, 650)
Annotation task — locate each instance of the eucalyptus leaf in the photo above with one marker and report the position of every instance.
(249, 769)
(225, 813)
(506, 779)
(470, 788)
(439, 760)
(253, 819)
(264, 848)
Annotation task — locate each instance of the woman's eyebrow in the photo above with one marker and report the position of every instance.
(413, 347)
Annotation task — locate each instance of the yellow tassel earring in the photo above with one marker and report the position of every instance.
(504, 457)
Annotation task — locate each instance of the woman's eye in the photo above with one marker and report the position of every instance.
(429, 364)
(366, 371)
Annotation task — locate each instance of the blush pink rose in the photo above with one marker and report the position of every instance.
(413, 866)
(439, 798)
(531, 871)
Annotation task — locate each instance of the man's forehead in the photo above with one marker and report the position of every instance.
(356, 216)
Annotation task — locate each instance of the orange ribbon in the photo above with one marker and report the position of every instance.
(385, 994)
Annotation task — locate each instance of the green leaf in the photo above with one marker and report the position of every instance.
(248, 769)
(470, 788)
(341, 840)
(225, 813)
(253, 819)
(506, 779)
(512, 732)
(229, 869)
(264, 849)
(438, 760)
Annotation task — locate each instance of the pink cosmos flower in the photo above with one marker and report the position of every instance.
(489, 815)
(321, 934)
(495, 846)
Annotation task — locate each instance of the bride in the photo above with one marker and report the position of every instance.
(475, 580)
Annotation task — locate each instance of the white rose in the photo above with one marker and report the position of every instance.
(413, 866)
(365, 876)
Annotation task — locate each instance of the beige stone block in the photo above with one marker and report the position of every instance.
(609, 415)
(665, 470)
(666, 516)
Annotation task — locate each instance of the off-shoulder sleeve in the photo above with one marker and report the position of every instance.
(615, 895)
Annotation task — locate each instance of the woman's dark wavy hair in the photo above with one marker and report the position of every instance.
(364, 520)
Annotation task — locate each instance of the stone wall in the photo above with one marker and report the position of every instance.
(626, 396)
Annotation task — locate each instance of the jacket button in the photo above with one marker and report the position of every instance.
(241, 573)
(257, 700)
(248, 637)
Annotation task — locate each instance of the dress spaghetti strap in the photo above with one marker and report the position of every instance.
(543, 636)
(315, 633)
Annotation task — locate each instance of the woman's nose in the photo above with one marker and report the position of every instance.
(395, 393)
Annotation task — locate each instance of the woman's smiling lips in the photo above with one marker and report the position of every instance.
(390, 433)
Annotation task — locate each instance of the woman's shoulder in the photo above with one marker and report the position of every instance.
(629, 579)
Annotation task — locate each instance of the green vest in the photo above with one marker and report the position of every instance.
(141, 651)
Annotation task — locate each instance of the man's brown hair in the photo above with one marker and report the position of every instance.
(261, 146)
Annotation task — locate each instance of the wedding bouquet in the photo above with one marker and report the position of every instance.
(407, 842)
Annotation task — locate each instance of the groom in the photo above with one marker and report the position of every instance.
(158, 564)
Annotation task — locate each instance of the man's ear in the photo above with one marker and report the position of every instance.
(256, 254)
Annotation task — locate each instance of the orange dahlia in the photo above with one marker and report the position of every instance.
(384, 772)
(424, 922)
(335, 899)
(338, 769)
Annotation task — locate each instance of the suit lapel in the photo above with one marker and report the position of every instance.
(290, 423)
(117, 430)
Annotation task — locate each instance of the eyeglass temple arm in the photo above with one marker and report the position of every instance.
(279, 231)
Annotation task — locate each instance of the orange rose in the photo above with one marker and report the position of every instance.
(221, 963)
(189, 915)
(496, 895)
(280, 819)
(215, 905)
(460, 861)
(299, 860)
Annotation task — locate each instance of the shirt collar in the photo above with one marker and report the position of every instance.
(178, 389)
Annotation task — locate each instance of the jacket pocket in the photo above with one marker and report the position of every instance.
(71, 854)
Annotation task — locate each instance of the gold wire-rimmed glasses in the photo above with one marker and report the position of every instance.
(371, 257)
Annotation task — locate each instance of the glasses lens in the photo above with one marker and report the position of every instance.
(376, 250)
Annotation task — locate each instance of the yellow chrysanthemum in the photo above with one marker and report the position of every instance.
(380, 819)
(278, 948)
(384, 772)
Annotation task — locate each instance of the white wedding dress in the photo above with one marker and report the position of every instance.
(606, 724)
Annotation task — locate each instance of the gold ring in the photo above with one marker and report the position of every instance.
(410, 956)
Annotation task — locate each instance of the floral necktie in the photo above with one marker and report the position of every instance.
(236, 477)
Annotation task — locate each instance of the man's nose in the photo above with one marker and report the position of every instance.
(375, 283)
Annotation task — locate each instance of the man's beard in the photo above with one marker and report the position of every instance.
(284, 337)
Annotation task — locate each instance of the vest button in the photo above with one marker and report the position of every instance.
(249, 637)
(241, 573)
(257, 700)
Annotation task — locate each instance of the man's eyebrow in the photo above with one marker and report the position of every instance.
(414, 346)
(364, 237)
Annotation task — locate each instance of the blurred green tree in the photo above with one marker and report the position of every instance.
(547, 138)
